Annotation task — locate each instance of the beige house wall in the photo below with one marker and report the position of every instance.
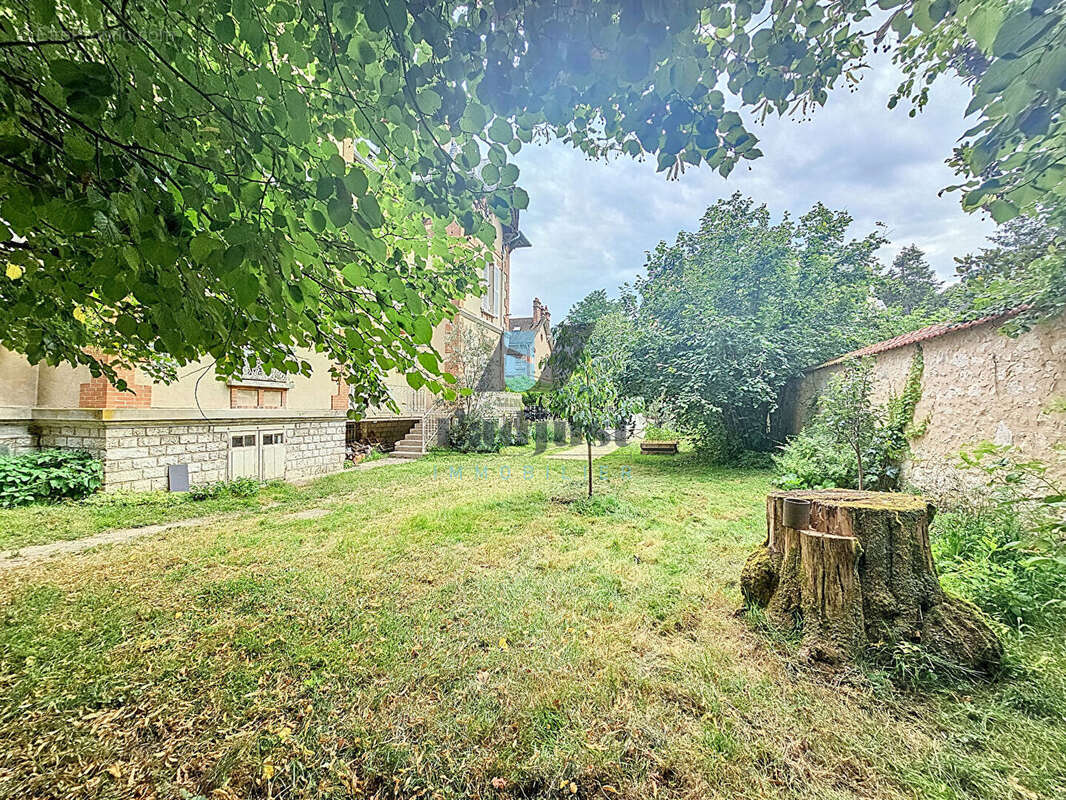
(978, 385)
(306, 393)
(18, 380)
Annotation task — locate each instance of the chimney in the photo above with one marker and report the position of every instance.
(546, 316)
(537, 309)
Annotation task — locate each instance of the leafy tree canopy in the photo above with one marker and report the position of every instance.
(733, 311)
(1024, 267)
(170, 181)
(591, 308)
(909, 283)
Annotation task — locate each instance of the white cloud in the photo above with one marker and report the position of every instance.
(592, 222)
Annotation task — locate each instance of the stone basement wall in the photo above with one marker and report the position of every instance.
(136, 455)
(386, 432)
(978, 384)
(16, 437)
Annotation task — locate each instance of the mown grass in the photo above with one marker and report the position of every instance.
(437, 636)
(42, 523)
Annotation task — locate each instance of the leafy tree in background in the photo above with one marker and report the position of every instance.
(730, 313)
(1024, 267)
(591, 403)
(596, 304)
(170, 182)
(909, 284)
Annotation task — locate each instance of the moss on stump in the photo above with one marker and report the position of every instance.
(862, 573)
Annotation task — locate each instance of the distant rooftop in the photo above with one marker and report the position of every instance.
(922, 335)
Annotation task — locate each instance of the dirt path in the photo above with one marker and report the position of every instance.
(39, 552)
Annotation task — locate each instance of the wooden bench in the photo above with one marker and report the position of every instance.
(658, 448)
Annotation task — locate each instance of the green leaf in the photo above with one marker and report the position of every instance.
(984, 23)
(422, 331)
(473, 119)
(1049, 73)
(340, 211)
(500, 131)
(490, 174)
(356, 182)
(317, 220)
(429, 362)
(225, 30)
(371, 211)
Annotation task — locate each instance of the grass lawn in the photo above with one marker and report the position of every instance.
(435, 636)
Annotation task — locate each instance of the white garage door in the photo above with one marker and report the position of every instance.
(273, 455)
(244, 455)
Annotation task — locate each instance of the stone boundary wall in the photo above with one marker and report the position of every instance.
(978, 384)
(136, 454)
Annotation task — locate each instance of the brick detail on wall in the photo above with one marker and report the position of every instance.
(251, 397)
(339, 400)
(100, 393)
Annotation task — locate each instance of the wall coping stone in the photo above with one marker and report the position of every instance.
(16, 413)
(176, 415)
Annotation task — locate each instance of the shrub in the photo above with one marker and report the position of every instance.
(48, 475)
(473, 433)
(1004, 548)
(813, 460)
(985, 554)
(853, 443)
(754, 459)
(238, 487)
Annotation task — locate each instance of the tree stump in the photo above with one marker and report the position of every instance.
(862, 574)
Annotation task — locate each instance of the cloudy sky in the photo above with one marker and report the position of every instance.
(592, 222)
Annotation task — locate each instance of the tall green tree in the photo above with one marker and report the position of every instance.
(1026, 266)
(732, 312)
(910, 284)
(170, 182)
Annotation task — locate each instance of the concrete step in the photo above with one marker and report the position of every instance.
(407, 454)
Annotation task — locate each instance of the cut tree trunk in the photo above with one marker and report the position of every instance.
(862, 574)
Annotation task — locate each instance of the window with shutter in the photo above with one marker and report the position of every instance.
(486, 299)
(498, 307)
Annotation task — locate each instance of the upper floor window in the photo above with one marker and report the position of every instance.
(492, 300)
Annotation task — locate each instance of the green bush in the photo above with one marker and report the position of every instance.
(849, 425)
(814, 460)
(238, 487)
(753, 459)
(474, 433)
(991, 555)
(1005, 549)
(47, 476)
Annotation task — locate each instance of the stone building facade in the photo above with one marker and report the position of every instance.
(978, 384)
(256, 425)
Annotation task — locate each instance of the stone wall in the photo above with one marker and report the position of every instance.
(978, 384)
(16, 437)
(136, 455)
(386, 432)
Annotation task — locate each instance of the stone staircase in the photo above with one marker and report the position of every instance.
(412, 445)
